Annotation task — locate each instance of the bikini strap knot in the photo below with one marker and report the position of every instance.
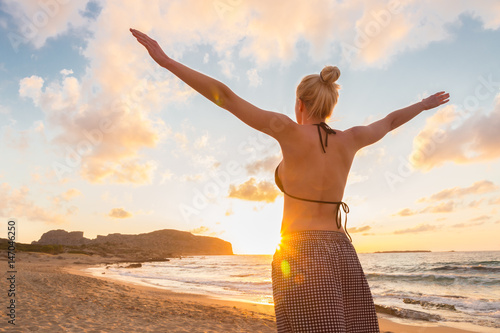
(345, 208)
(328, 130)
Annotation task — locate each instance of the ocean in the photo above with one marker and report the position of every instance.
(460, 289)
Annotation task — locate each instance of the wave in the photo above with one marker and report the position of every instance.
(406, 313)
(471, 262)
(427, 304)
(487, 262)
(467, 268)
(434, 278)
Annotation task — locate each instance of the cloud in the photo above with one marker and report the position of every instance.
(370, 157)
(70, 194)
(37, 21)
(368, 33)
(418, 228)
(254, 191)
(16, 139)
(66, 72)
(354, 178)
(481, 218)
(467, 225)
(451, 194)
(192, 178)
(31, 87)
(267, 165)
(494, 201)
(203, 230)
(201, 142)
(35, 177)
(119, 213)
(94, 136)
(198, 149)
(359, 229)
(387, 28)
(254, 78)
(451, 135)
(122, 91)
(406, 212)
(129, 171)
(265, 31)
(16, 202)
(475, 203)
(66, 196)
(443, 207)
(166, 175)
(373, 31)
(229, 212)
(227, 68)
(124, 88)
(479, 187)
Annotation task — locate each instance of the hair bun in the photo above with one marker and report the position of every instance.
(330, 74)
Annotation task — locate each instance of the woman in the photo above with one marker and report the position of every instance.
(318, 282)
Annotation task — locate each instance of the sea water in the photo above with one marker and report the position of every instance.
(449, 287)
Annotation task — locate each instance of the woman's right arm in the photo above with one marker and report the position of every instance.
(278, 125)
(369, 134)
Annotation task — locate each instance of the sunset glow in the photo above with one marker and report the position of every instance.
(96, 137)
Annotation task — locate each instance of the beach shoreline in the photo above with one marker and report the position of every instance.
(55, 293)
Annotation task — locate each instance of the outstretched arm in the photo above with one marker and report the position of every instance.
(366, 135)
(271, 123)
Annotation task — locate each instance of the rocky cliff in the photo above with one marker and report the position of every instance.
(62, 237)
(160, 243)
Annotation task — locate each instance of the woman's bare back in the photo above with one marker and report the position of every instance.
(308, 172)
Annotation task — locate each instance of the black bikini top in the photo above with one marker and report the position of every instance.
(338, 217)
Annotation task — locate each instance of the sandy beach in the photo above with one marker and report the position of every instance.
(54, 294)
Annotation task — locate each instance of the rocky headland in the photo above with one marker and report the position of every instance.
(156, 245)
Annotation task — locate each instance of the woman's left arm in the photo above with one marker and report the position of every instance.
(275, 124)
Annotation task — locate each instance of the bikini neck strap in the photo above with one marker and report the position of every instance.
(328, 130)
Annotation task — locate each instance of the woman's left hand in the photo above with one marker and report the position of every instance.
(435, 100)
(152, 46)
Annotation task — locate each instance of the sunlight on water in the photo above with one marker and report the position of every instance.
(459, 287)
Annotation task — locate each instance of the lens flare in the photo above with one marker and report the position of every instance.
(285, 268)
(216, 98)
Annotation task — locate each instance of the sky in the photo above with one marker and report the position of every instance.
(95, 137)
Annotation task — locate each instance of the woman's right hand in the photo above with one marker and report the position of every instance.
(152, 46)
(435, 100)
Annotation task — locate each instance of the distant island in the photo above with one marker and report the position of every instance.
(407, 251)
(160, 244)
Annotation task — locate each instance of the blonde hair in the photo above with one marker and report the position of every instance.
(320, 93)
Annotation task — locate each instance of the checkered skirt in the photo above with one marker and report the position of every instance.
(319, 285)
